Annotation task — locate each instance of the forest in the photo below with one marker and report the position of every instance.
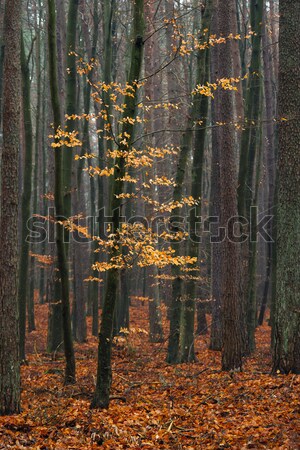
(149, 224)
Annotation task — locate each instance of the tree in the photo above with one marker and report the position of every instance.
(177, 283)
(9, 335)
(216, 265)
(230, 251)
(23, 290)
(199, 111)
(151, 50)
(270, 104)
(59, 202)
(104, 371)
(249, 144)
(286, 356)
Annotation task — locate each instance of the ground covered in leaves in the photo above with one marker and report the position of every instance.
(187, 406)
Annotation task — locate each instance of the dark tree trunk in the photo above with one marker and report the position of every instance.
(9, 333)
(173, 355)
(59, 202)
(246, 188)
(287, 311)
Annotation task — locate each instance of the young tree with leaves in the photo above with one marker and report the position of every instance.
(104, 371)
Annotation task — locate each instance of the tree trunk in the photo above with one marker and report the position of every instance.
(230, 255)
(59, 202)
(215, 193)
(150, 93)
(9, 333)
(23, 290)
(93, 286)
(286, 357)
(247, 164)
(104, 370)
(199, 113)
(173, 354)
(270, 158)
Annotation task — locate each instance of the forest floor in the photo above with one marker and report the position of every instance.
(186, 406)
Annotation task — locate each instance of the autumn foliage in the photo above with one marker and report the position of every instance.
(154, 405)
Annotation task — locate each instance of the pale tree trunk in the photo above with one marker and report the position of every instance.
(9, 333)
(274, 15)
(198, 112)
(37, 190)
(91, 48)
(172, 80)
(155, 323)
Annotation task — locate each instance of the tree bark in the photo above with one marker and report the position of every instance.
(286, 356)
(230, 254)
(214, 209)
(9, 333)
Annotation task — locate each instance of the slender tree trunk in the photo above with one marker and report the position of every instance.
(42, 162)
(155, 322)
(59, 203)
(270, 158)
(2, 2)
(93, 287)
(55, 333)
(215, 194)
(199, 113)
(247, 164)
(70, 99)
(34, 279)
(104, 371)
(9, 332)
(68, 176)
(173, 354)
(23, 290)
